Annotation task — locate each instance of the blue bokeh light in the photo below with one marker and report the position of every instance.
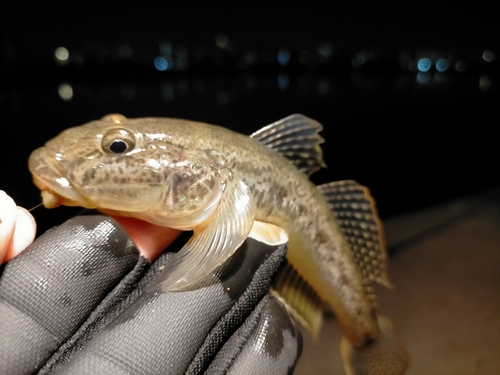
(424, 64)
(161, 63)
(423, 78)
(283, 57)
(442, 65)
(283, 81)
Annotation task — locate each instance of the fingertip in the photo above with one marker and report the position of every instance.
(8, 217)
(24, 233)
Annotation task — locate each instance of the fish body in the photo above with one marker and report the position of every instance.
(219, 183)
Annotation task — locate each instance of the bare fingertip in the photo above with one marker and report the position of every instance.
(7, 205)
(25, 231)
(26, 217)
(8, 216)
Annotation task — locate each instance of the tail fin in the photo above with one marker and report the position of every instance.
(386, 355)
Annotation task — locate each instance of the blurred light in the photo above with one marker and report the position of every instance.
(488, 55)
(182, 64)
(484, 82)
(423, 78)
(161, 63)
(222, 98)
(439, 77)
(283, 81)
(354, 62)
(412, 66)
(442, 65)
(165, 47)
(362, 57)
(323, 87)
(461, 66)
(221, 40)
(66, 92)
(168, 91)
(283, 57)
(62, 55)
(125, 51)
(325, 50)
(181, 61)
(424, 64)
(181, 52)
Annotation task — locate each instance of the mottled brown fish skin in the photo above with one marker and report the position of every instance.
(317, 250)
(283, 195)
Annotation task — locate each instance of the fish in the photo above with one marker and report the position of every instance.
(226, 186)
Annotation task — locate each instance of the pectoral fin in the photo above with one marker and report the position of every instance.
(215, 240)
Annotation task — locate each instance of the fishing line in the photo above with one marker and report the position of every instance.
(33, 208)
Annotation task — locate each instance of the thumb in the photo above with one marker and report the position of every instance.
(17, 228)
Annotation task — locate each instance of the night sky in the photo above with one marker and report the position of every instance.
(448, 25)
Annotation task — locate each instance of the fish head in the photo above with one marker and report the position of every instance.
(120, 167)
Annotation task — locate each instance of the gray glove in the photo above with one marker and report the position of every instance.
(81, 300)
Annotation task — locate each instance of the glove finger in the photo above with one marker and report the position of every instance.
(269, 342)
(52, 287)
(168, 332)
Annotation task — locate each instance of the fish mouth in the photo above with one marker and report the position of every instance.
(56, 189)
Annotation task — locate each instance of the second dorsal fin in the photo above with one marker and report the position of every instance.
(356, 213)
(295, 138)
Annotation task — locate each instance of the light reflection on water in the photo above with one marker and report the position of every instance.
(226, 90)
(66, 92)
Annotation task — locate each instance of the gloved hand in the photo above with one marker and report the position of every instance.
(82, 300)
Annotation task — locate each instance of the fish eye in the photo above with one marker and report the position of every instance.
(118, 146)
(118, 141)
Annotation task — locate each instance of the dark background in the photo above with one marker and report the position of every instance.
(416, 137)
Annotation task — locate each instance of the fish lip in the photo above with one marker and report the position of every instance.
(57, 189)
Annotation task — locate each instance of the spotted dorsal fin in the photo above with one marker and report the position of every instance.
(295, 138)
(357, 216)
